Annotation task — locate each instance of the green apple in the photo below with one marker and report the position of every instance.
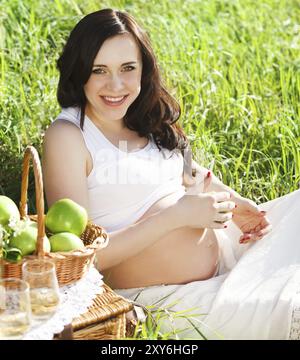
(65, 241)
(8, 210)
(66, 215)
(26, 240)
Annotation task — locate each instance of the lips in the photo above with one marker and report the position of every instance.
(113, 101)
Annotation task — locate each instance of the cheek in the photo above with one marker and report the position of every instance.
(88, 87)
(134, 82)
(92, 85)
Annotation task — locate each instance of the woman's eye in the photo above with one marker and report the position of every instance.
(97, 71)
(101, 71)
(130, 67)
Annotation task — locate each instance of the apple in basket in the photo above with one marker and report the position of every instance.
(65, 215)
(8, 210)
(65, 241)
(26, 238)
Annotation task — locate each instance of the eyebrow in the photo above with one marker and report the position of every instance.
(127, 63)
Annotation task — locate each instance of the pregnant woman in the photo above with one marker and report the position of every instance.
(117, 150)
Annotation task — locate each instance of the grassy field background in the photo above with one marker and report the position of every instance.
(232, 64)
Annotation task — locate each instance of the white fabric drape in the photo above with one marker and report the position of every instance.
(254, 295)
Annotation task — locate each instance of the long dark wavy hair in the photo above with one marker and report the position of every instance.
(155, 111)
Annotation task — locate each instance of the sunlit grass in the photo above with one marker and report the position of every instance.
(164, 322)
(232, 65)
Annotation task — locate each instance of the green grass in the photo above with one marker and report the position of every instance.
(233, 65)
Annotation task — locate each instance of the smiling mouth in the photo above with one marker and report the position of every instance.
(111, 101)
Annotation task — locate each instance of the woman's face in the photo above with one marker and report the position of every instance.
(115, 81)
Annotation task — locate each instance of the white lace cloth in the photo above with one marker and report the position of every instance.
(74, 300)
(295, 322)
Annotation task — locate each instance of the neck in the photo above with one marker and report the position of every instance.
(115, 126)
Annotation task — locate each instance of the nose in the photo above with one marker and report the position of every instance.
(115, 83)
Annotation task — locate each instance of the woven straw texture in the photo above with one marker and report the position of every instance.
(105, 318)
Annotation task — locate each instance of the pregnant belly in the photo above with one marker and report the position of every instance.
(183, 255)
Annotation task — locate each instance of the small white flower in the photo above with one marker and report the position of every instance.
(13, 222)
(19, 226)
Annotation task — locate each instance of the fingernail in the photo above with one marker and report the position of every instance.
(235, 206)
(208, 174)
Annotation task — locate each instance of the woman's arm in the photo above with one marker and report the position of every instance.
(64, 164)
(193, 209)
(215, 184)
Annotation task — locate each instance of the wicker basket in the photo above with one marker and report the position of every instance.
(70, 266)
(105, 319)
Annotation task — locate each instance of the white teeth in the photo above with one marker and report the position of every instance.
(113, 99)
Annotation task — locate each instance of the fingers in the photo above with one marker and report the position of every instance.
(222, 218)
(207, 181)
(254, 236)
(265, 230)
(225, 206)
(245, 239)
(221, 196)
(218, 225)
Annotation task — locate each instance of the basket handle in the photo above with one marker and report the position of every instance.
(31, 152)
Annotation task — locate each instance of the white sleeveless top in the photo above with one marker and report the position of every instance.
(123, 185)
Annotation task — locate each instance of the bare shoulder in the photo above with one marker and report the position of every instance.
(64, 134)
(61, 128)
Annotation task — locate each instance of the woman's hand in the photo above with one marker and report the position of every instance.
(199, 209)
(250, 220)
(247, 216)
(205, 210)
